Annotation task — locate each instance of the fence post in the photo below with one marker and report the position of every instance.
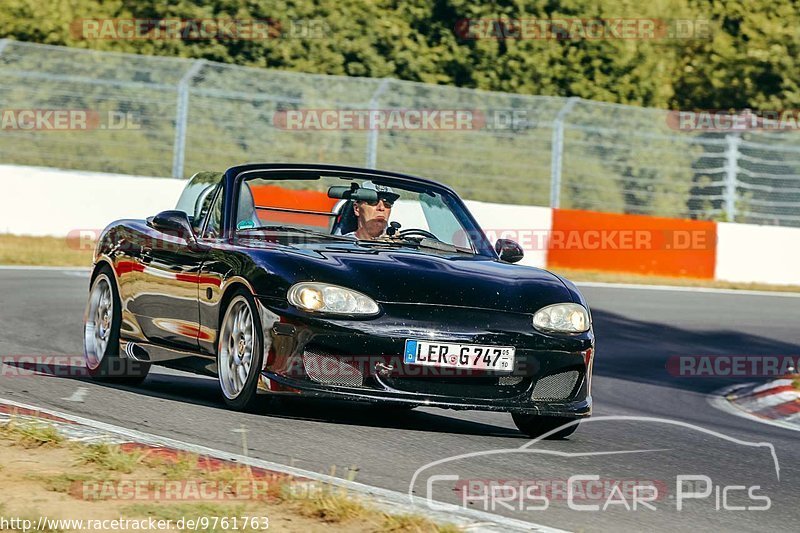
(557, 151)
(182, 117)
(372, 139)
(732, 141)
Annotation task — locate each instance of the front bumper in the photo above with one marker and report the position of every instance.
(552, 374)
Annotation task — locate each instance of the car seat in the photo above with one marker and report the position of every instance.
(246, 210)
(346, 221)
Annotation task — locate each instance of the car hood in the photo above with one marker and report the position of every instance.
(415, 276)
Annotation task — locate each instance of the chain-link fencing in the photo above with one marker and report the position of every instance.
(161, 116)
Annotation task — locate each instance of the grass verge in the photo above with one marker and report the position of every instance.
(31, 435)
(110, 458)
(46, 476)
(43, 251)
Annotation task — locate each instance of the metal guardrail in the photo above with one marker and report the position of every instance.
(179, 116)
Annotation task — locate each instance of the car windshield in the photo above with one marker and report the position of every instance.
(373, 211)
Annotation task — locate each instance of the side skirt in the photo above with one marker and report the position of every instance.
(170, 357)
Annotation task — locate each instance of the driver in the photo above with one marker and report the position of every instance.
(373, 217)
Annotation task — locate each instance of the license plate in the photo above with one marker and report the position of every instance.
(444, 354)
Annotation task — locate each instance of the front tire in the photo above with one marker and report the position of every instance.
(535, 426)
(101, 327)
(239, 352)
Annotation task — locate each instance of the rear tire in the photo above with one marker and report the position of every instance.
(101, 328)
(239, 352)
(535, 426)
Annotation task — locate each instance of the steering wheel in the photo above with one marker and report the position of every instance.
(416, 231)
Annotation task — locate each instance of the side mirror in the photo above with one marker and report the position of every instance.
(175, 223)
(508, 250)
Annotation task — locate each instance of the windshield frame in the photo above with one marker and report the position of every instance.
(236, 175)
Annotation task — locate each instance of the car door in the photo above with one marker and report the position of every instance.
(212, 273)
(167, 304)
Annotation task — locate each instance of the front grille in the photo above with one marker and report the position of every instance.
(555, 386)
(328, 369)
(509, 381)
(484, 387)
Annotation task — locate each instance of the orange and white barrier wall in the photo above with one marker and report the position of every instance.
(749, 253)
(632, 243)
(47, 201)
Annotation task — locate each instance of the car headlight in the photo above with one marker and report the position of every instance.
(326, 298)
(562, 318)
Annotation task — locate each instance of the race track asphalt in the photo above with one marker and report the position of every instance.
(677, 432)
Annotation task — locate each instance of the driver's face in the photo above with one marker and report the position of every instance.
(372, 220)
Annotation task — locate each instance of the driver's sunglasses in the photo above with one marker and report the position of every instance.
(386, 203)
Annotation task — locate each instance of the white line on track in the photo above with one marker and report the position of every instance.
(78, 396)
(388, 499)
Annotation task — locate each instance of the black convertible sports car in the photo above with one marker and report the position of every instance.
(341, 283)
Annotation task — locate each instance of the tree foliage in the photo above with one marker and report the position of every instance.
(749, 59)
